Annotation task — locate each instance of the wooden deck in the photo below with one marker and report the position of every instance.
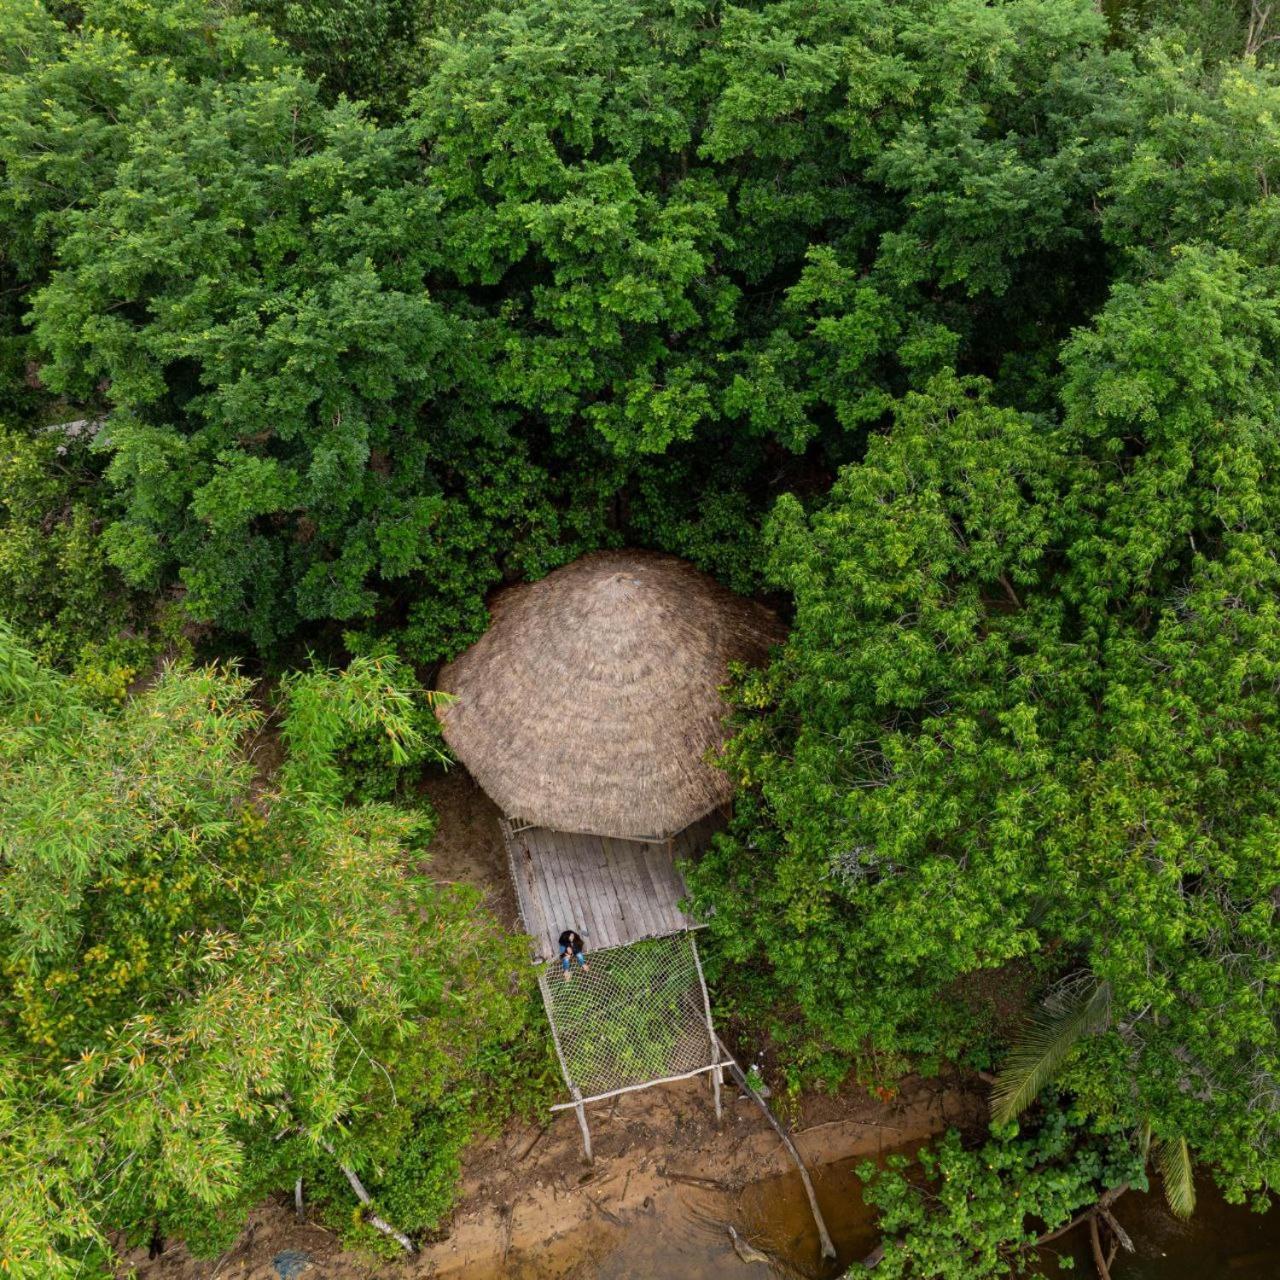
(612, 891)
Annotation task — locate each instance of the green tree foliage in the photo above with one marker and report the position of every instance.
(872, 747)
(1027, 715)
(56, 584)
(1077, 1009)
(363, 49)
(72, 100)
(265, 350)
(977, 1214)
(1218, 30)
(243, 283)
(369, 50)
(718, 243)
(209, 982)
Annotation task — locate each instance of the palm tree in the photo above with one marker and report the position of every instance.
(1079, 1007)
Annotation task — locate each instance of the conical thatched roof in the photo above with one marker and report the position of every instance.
(592, 699)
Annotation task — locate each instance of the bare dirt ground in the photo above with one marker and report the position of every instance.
(529, 1206)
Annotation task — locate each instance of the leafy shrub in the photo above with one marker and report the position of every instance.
(976, 1214)
(355, 754)
(56, 585)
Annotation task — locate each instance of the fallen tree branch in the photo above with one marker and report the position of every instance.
(844, 1124)
(508, 1214)
(537, 1137)
(367, 1200)
(828, 1248)
(1120, 1235)
(1108, 1198)
(1103, 1204)
(1095, 1243)
(693, 1180)
(606, 1214)
(745, 1249)
(1066, 1226)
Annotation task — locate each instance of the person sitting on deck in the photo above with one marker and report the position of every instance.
(571, 949)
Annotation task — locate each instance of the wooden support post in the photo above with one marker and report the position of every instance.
(824, 1237)
(586, 1132)
(711, 1030)
(574, 1091)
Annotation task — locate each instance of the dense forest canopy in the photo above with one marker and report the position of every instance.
(607, 260)
(952, 326)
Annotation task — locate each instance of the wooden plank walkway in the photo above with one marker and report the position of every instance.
(612, 891)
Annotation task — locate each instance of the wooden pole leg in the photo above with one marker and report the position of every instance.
(586, 1132)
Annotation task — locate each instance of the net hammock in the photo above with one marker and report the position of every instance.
(639, 1015)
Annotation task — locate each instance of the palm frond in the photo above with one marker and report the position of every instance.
(1063, 1019)
(1173, 1159)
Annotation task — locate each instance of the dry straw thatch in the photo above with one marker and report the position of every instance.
(591, 701)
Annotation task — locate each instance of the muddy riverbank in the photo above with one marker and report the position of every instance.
(666, 1186)
(663, 1175)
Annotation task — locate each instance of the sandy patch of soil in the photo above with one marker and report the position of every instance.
(467, 846)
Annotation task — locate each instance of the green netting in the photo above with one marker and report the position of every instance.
(638, 1015)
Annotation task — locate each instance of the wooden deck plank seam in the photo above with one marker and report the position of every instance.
(554, 892)
(650, 884)
(576, 892)
(626, 895)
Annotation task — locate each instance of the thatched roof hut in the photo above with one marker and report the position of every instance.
(592, 699)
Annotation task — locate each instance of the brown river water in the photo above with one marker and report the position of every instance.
(690, 1242)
